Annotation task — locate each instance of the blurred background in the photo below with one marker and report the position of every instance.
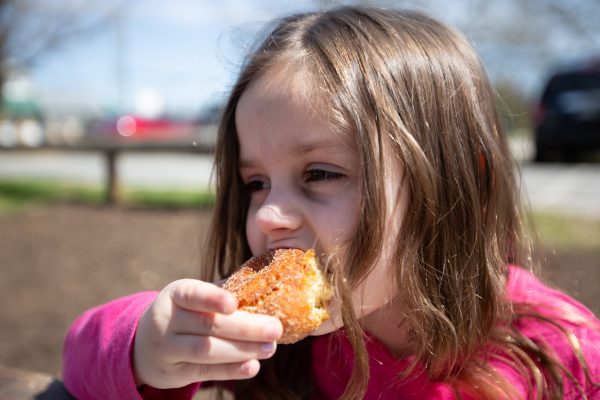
(107, 122)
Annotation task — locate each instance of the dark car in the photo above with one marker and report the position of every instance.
(567, 120)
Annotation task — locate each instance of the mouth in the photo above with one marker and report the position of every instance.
(276, 246)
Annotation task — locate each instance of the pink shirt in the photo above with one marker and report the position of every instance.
(97, 362)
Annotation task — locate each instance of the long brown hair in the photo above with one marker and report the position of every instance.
(404, 82)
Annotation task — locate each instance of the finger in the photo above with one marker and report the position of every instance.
(220, 372)
(213, 350)
(195, 295)
(239, 325)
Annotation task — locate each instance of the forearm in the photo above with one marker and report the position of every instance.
(97, 352)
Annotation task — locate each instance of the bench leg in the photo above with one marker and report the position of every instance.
(112, 184)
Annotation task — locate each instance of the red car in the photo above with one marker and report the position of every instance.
(139, 128)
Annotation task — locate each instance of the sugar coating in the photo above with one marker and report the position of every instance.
(287, 284)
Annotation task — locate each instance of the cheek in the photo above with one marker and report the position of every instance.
(333, 237)
(378, 289)
(338, 223)
(253, 235)
(380, 286)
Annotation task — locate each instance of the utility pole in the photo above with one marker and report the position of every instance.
(120, 60)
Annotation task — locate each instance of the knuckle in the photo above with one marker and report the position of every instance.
(208, 322)
(186, 295)
(201, 350)
(203, 371)
(244, 330)
(234, 371)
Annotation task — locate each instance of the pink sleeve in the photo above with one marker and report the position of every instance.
(570, 315)
(97, 353)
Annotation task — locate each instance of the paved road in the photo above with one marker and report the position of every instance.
(573, 189)
(143, 170)
(567, 188)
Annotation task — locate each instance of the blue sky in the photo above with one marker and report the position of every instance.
(187, 51)
(184, 54)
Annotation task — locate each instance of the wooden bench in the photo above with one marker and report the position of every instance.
(111, 148)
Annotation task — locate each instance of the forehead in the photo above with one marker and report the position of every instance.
(285, 86)
(279, 107)
(284, 80)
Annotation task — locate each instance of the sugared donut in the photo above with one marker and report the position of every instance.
(287, 284)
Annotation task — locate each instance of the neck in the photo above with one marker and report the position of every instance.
(389, 326)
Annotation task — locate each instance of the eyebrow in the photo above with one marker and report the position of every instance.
(304, 149)
(321, 144)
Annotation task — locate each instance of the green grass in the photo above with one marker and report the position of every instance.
(169, 198)
(17, 196)
(565, 231)
(554, 230)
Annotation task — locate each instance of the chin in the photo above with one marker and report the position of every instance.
(327, 327)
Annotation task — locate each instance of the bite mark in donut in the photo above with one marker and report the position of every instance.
(287, 284)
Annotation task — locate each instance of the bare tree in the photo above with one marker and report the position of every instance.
(31, 29)
(515, 35)
(543, 27)
(523, 41)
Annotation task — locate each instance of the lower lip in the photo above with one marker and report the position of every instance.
(282, 247)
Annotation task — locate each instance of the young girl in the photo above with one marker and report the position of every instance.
(371, 136)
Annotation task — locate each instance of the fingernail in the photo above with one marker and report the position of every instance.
(267, 348)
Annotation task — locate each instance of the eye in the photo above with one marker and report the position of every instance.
(316, 175)
(256, 185)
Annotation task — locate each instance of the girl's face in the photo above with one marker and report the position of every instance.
(304, 180)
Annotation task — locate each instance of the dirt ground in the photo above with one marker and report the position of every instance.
(58, 261)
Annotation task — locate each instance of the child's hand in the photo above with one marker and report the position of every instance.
(192, 333)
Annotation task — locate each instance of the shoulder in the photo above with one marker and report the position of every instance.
(554, 321)
(527, 291)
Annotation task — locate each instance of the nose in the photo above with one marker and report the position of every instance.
(278, 214)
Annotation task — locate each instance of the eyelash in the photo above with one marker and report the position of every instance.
(312, 175)
(254, 186)
(315, 175)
